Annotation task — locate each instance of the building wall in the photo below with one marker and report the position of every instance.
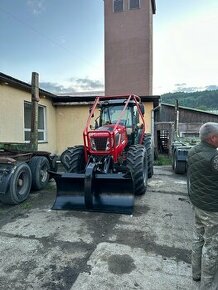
(147, 116)
(12, 117)
(128, 49)
(71, 121)
(12, 114)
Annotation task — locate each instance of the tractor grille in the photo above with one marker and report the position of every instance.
(100, 143)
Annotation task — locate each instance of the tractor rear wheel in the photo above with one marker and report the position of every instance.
(137, 164)
(73, 159)
(148, 147)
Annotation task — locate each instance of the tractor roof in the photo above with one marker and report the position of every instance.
(116, 102)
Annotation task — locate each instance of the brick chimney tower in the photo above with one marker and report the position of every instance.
(128, 46)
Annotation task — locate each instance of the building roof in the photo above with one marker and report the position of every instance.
(60, 100)
(8, 80)
(188, 109)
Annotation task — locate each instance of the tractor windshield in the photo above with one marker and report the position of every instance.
(111, 114)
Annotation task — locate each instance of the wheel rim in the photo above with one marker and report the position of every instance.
(44, 174)
(145, 171)
(22, 183)
(175, 163)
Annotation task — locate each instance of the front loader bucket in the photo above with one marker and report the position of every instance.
(111, 193)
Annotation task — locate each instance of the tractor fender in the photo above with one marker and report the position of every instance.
(6, 172)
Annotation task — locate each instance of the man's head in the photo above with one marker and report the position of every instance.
(209, 133)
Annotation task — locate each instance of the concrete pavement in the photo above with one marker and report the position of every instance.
(150, 250)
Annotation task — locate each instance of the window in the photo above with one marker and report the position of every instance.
(134, 4)
(41, 122)
(118, 5)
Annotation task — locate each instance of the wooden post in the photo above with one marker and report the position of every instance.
(177, 119)
(34, 119)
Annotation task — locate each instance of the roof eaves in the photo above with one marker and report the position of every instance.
(81, 99)
(8, 80)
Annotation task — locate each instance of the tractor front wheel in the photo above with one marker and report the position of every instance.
(73, 159)
(138, 165)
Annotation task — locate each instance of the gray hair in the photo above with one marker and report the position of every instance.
(208, 129)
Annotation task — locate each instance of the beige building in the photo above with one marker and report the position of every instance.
(15, 114)
(128, 46)
(61, 119)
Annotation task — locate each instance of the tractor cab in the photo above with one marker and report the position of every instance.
(112, 113)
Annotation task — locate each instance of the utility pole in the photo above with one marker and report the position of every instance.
(34, 119)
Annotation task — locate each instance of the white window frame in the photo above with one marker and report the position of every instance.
(135, 7)
(44, 130)
(114, 6)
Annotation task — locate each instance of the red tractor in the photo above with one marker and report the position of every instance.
(114, 163)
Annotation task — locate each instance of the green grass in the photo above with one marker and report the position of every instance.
(26, 205)
(163, 159)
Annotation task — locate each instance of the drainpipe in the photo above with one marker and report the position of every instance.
(153, 121)
(34, 116)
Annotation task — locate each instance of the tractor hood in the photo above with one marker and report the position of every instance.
(107, 138)
(111, 128)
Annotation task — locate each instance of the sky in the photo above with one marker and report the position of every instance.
(63, 40)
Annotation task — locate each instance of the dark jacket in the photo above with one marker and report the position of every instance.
(203, 176)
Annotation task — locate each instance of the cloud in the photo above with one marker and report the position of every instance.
(179, 85)
(85, 84)
(88, 84)
(37, 6)
(73, 86)
(183, 87)
(211, 87)
(56, 88)
(186, 89)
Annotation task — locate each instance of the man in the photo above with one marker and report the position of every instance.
(203, 192)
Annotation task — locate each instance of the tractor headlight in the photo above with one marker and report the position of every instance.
(108, 144)
(92, 142)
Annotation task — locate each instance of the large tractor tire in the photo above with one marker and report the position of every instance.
(39, 166)
(148, 147)
(19, 186)
(137, 164)
(73, 159)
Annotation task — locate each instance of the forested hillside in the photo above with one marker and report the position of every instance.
(202, 100)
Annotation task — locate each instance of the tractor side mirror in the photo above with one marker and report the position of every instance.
(96, 124)
(139, 126)
(142, 108)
